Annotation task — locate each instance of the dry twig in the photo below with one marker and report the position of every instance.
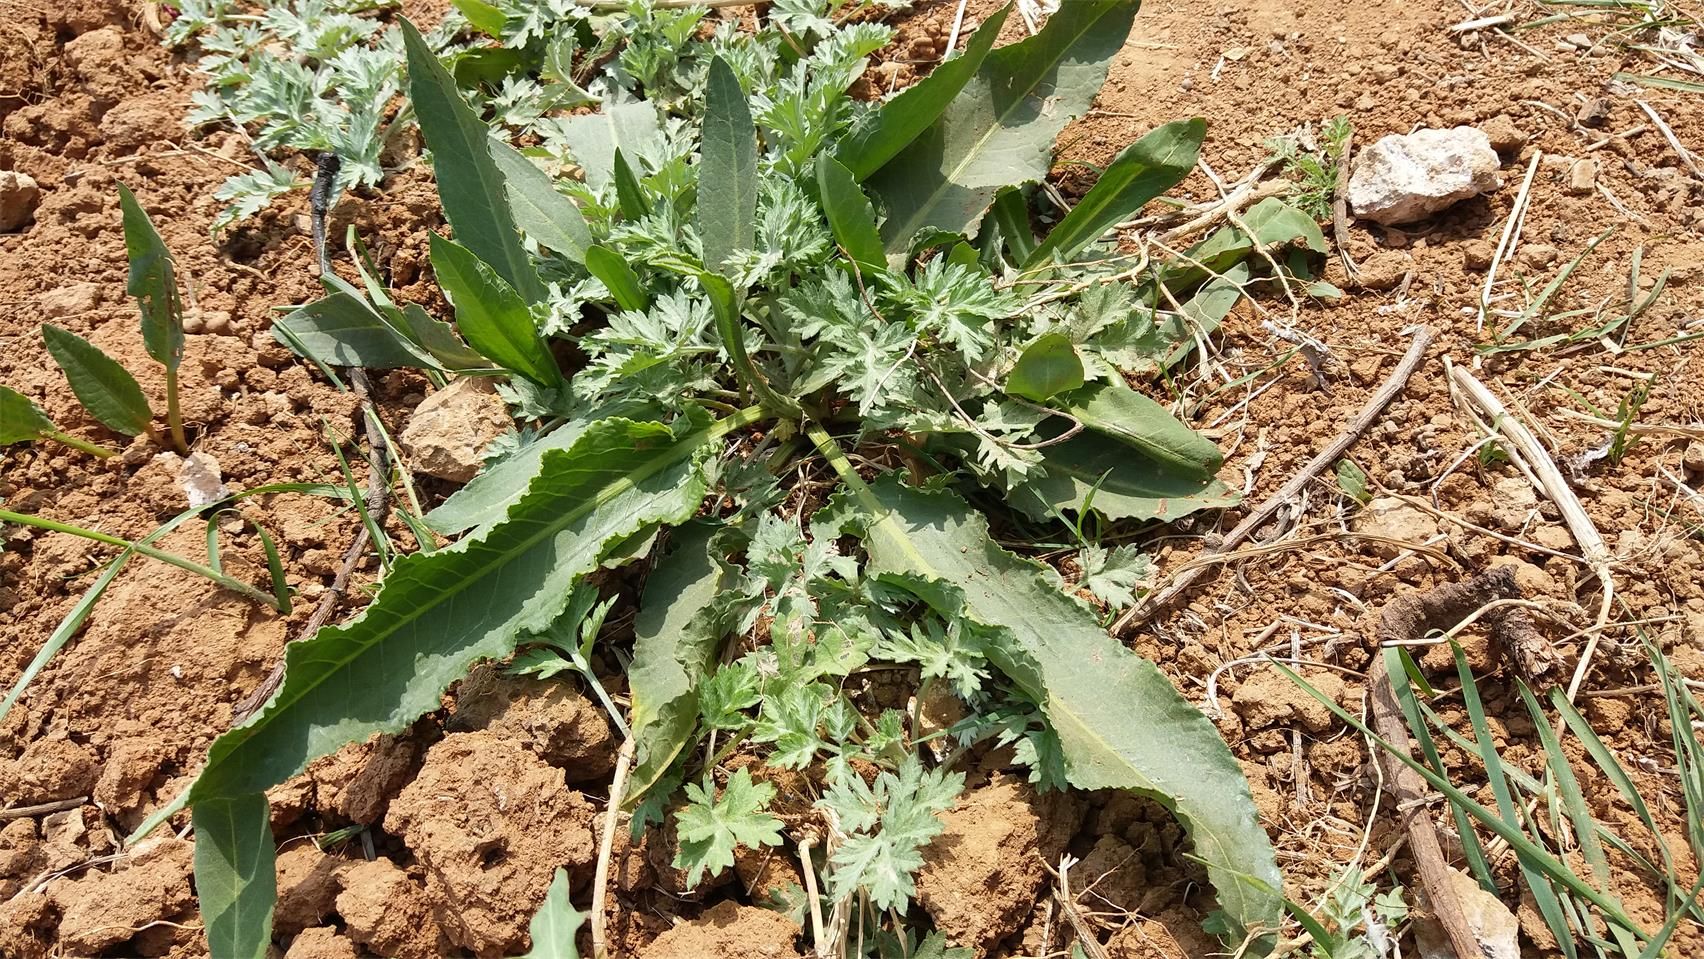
(1257, 518)
(606, 846)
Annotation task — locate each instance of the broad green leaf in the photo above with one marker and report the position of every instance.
(1273, 221)
(1115, 410)
(491, 315)
(903, 119)
(629, 195)
(106, 389)
(487, 497)
(674, 646)
(1094, 471)
(438, 613)
(850, 215)
(1144, 170)
(1047, 367)
(999, 130)
(1121, 723)
(555, 925)
(153, 282)
(20, 419)
(619, 278)
(469, 182)
(482, 16)
(633, 128)
(235, 876)
(551, 219)
(341, 330)
(727, 170)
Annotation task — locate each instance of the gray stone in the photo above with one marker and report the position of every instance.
(1407, 177)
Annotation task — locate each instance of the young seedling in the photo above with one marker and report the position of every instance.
(153, 282)
(22, 421)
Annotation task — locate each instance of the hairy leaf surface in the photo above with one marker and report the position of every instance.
(1122, 724)
(469, 182)
(673, 648)
(438, 613)
(106, 389)
(727, 172)
(234, 874)
(551, 219)
(1000, 128)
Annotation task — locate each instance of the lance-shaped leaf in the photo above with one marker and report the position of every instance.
(849, 214)
(902, 119)
(491, 315)
(1121, 723)
(20, 419)
(153, 282)
(438, 613)
(551, 219)
(340, 330)
(674, 645)
(1115, 410)
(234, 875)
(1094, 471)
(617, 277)
(469, 182)
(727, 169)
(106, 389)
(1146, 169)
(999, 130)
(555, 925)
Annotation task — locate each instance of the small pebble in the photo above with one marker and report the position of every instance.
(1582, 177)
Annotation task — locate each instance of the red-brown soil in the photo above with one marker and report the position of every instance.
(472, 810)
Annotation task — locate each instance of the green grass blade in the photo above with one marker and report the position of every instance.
(469, 183)
(1585, 827)
(1399, 664)
(1542, 860)
(106, 389)
(234, 875)
(727, 195)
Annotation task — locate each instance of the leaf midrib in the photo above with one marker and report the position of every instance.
(688, 444)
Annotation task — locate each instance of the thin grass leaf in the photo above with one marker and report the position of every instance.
(1543, 861)
(1399, 664)
(1543, 895)
(1585, 831)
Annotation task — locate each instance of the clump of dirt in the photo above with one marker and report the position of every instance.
(387, 911)
(552, 719)
(103, 910)
(982, 874)
(307, 889)
(490, 822)
(728, 930)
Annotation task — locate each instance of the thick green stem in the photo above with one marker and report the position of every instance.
(836, 456)
(235, 585)
(75, 443)
(728, 327)
(174, 417)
